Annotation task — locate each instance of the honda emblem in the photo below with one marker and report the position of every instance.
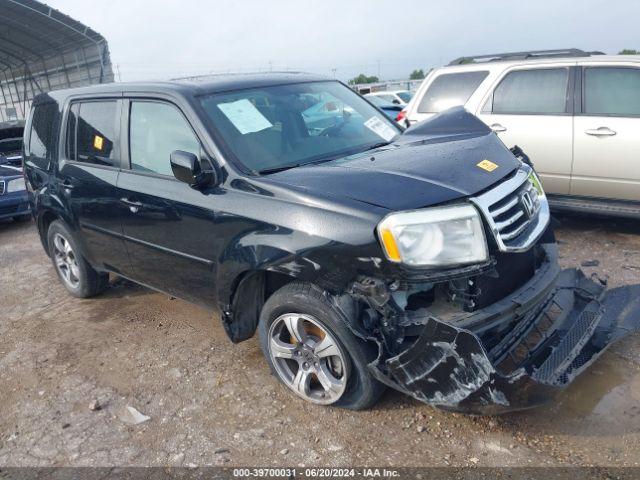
(527, 203)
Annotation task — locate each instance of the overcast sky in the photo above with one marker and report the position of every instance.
(163, 39)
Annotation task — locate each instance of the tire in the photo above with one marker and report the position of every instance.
(75, 273)
(306, 303)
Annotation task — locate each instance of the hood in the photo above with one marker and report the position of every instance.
(433, 162)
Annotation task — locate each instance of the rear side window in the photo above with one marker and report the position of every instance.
(156, 130)
(612, 91)
(542, 91)
(450, 90)
(44, 126)
(91, 132)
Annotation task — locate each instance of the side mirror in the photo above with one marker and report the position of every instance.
(186, 168)
(396, 101)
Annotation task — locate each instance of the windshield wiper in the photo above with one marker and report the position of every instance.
(282, 168)
(295, 165)
(377, 145)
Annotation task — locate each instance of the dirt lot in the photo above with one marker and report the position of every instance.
(213, 403)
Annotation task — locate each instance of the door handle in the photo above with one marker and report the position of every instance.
(496, 127)
(133, 205)
(600, 132)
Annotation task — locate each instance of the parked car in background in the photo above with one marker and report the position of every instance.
(13, 195)
(322, 111)
(391, 110)
(398, 97)
(10, 150)
(362, 254)
(11, 142)
(576, 114)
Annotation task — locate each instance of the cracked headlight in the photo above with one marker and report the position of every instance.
(439, 236)
(16, 185)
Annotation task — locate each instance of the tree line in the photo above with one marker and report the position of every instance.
(362, 78)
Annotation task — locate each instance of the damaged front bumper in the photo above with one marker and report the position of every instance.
(517, 353)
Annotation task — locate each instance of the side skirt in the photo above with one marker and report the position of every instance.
(601, 206)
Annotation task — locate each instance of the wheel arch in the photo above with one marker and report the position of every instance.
(44, 221)
(258, 263)
(250, 291)
(46, 216)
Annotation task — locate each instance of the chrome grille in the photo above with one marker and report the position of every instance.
(515, 213)
(2, 184)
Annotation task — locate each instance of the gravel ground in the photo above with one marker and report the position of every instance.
(69, 369)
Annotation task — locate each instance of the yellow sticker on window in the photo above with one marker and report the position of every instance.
(98, 141)
(487, 165)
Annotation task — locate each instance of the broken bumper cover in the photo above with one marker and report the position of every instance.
(518, 353)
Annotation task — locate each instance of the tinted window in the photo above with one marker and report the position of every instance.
(44, 127)
(532, 91)
(450, 90)
(91, 132)
(612, 91)
(157, 129)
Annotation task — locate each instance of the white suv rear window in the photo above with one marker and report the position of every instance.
(450, 90)
(612, 91)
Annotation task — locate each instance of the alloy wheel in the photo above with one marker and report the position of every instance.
(66, 261)
(307, 358)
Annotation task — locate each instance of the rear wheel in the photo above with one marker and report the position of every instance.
(312, 351)
(78, 277)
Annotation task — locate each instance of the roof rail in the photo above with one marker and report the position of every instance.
(498, 57)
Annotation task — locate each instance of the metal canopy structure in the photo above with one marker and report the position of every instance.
(42, 49)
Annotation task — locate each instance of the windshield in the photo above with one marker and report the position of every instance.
(380, 102)
(282, 126)
(405, 96)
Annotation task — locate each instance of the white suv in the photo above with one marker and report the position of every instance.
(575, 114)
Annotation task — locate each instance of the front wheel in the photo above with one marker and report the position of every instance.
(312, 351)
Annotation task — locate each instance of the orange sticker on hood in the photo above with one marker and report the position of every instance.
(487, 165)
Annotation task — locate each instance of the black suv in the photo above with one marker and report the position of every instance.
(364, 256)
